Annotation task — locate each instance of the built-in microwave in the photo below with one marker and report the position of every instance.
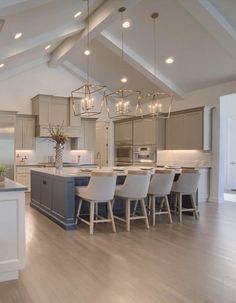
(144, 154)
(124, 154)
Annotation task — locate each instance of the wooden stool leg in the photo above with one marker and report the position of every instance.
(149, 204)
(153, 210)
(194, 206)
(135, 207)
(127, 214)
(111, 216)
(78, 212)
(91, 224)
(168, 208)
(180, 208)
(144, 212)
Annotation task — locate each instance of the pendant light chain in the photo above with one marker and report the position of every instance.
(88, 41)
(155, 46)
(122, 44)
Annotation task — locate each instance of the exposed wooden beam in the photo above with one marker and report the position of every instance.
(214, 22)
(99, 20)
(139, 63)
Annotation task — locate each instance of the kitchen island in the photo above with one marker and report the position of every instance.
(53, 192)
(12, 229)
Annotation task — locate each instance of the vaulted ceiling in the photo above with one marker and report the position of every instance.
(199, 34)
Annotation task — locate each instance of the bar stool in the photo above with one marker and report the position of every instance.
(135, 189)
(101, 189)
(187, 184)
(160, 187)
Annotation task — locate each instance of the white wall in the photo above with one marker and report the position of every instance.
(16, 94)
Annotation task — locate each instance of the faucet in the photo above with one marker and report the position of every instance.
(99, 159)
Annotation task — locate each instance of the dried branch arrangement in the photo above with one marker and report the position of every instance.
(57, 134)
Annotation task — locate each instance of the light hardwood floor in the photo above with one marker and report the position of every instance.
(192, 262)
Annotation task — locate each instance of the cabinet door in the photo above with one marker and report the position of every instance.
(46, 197)
(44, 109)
(28, 133)
(19, 133)
(175, 132)
(193, 130)
(124, 132)
(144, 132)
(59, 111)
(89, 134)
(23, 179)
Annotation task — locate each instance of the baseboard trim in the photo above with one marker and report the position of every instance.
(215, 199)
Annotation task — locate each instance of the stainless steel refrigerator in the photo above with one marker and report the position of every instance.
(7, 142)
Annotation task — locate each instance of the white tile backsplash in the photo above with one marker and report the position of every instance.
(45, 148)
(187, 158)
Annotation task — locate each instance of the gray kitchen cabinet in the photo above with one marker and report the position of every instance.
(189, 129)
(144, 131)
(87, 138)
(51, 110)
(123, 132)
(25, 132)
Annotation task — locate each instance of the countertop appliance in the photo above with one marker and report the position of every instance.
(7, 142)
(123, 155)
(144, 155)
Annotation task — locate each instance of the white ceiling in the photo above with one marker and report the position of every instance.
(200, 35)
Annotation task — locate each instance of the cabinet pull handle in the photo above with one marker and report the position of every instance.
(44, 182)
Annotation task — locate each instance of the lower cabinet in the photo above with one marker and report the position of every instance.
(54, 196)
(23, 176)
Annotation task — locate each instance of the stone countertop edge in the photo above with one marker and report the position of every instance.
(10, 185)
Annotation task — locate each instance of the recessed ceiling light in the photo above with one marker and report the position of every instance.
(170, 60)
(87, 52)
(124, 80)
(77, 14)
(1, 65)
(126, 24)
(18, 35)
(47, 47)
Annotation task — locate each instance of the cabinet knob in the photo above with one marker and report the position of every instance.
(233, 163)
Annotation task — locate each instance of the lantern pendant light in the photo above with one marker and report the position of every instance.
(160, 102)
(85, 101)
(119, 102)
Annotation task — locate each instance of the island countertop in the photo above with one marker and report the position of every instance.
(10, 185)
(86, 172)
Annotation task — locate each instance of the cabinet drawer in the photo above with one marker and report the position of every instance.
(22, 170)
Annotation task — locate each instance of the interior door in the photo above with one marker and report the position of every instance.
(232, 153)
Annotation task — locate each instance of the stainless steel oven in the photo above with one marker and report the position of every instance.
(144, 155)
(123, 154)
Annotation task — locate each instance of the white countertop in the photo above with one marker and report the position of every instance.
(79, 172)
(10, 185)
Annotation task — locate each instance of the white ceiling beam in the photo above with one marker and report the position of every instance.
(214, 22)
(43, 39)
(4, 75)
(139, 63)
(99, 20)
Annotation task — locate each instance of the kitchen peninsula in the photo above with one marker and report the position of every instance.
(12, 229)
(53, 194)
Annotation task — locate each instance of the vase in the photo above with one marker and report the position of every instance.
(59, 156)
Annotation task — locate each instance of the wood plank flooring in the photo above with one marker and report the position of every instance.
(192, 262)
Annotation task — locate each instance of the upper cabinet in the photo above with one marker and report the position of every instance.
(144, 131)
(189, 129)
(52, 110)
(123, 132)
(140, 131)
(25, 132)
(87, 137)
